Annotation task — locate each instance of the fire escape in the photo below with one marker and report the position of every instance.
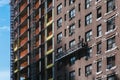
(73, 50)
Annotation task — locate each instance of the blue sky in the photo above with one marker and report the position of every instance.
(4, 40)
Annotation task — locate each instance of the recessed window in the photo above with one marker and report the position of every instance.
(99, 66)
(65, 17)
(88, 35)
(88, 53)
(79, 71)
(111, 24)
(87, 3)
(59, 22)
(99, 12)
(59, 8)
(71, 2)
(71, 29)
(71, 43)
(99, 48)
(72, 13)
(64, 2)
(79, 5)
(99, 30)
(111, 43)
(79, 23)
(72, 75)
(72, 60)
(111, 77)
(88, 70)
(59, 37)
(110, 5)
(59, 50)
(88, 19)
(110, 62)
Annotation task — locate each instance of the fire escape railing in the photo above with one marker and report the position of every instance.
(63, 54)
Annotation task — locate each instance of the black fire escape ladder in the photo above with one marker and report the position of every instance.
(11, 39)
(33, 41)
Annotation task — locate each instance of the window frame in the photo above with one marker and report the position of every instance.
(72, 75)
(110, 24)
(59, 37)
(111, 43)
(110, 5)
(110, 62)
(88, 70)
(59, 22)
(72, 13)
(88, 19)
(59, 8)
(87, 4)
(72, 43)
(99, 30)
(88, 35)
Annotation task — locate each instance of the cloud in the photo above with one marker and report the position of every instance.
(5, 28)
(5, 75)
(4, 2)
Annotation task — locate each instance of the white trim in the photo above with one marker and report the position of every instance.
(111, 49)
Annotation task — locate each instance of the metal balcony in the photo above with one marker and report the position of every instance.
(70, 51)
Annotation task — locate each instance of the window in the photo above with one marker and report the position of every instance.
(59, 50)
(99, 66)
(72, 13)
(64, 2)
(72, 60)
(111, 77)
(71, 2)
(72, 75)
(65, 46)
(79, 7)
(89, 53)
(99, 48)
(71, 29)
(71, 43)
(65, 32)
(59, 8)
(88, 35)
(99, 12)
(99, 30)
(110, 5)
(87, 3)
(59, 22)
(79, 71)
(111, 43)
(59, 37)
(111, 24)
(65, 17)
(79, 23)
(88, 19)
(88, 70)
(110, 62)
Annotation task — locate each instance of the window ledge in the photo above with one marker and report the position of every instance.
(112, 68)
(108, 12)
(111, 49)
(98, 18)
(98, 37)
(97, 2)
(97, 73)
(106, 33)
